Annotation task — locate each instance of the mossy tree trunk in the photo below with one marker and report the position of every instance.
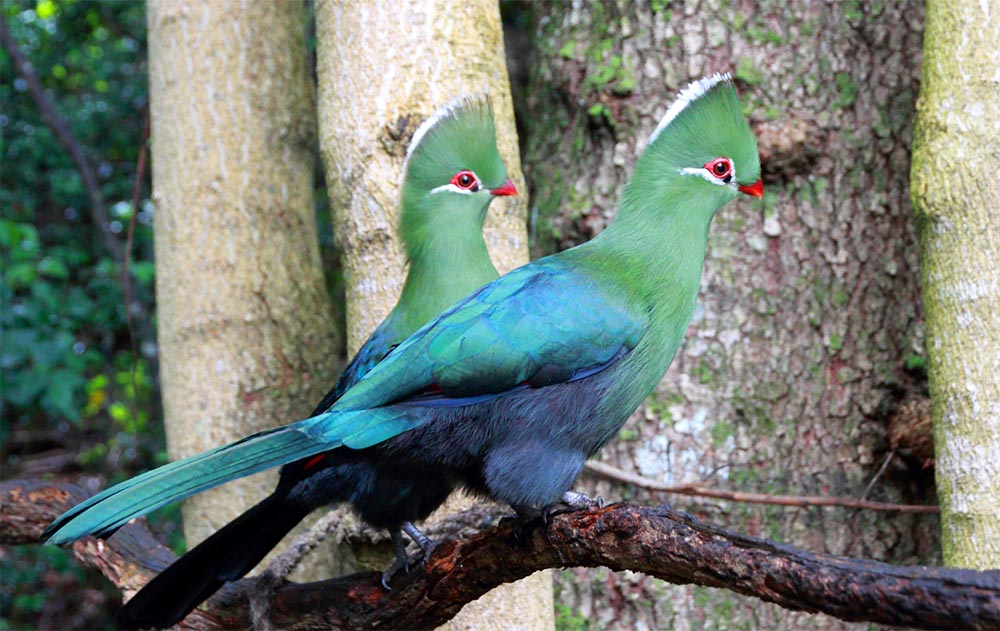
(246, 331)
(383, 67)
(808, 316)
(956, 197)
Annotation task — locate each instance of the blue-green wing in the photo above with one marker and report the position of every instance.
(379, 344)
(545, 318)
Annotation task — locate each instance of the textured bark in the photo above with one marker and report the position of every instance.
(808, 314)
(659, 541)
(383, 67)
(247, 337)
(956, 198)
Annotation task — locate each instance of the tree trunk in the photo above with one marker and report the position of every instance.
(956, 159)
(808, 317)
(246, 330)
(378, 79)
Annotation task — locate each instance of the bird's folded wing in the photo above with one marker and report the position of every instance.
(541, 324)
(375, 348)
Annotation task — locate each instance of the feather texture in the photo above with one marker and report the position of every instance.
(508, 391)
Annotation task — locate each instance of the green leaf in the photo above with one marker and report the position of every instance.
(53, 268)
(60, 394)
(143, 272)
(22, 388)
(17, 344)
(20, 275)
(46, 9)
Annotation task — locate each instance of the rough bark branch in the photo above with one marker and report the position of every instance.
(661, 542)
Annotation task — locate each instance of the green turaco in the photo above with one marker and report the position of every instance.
(510, 390)
(451, 173)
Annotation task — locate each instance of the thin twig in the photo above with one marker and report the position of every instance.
(140, 171)
(878, 474)
(802, 501)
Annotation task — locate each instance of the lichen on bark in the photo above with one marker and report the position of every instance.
(810, 300)
(956, 198)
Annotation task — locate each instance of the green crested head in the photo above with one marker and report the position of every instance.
(702, 154)
(451, 174)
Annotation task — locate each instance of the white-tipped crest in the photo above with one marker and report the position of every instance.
(688, 95)
(436, 116)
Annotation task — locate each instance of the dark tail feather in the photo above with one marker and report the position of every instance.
(225, 556)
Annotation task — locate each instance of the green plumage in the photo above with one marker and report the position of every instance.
(510, 390)
(441, 230)
(447, 257)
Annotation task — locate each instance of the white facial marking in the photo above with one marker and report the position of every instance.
(705, 174)
(688, 95)
(452, 188)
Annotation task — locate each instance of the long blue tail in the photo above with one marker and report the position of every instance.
(104, 513)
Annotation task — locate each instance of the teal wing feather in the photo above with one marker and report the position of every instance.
(542, 316)
(379, 344)
(109, 510)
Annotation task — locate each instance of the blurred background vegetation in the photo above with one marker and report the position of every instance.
(69, 357)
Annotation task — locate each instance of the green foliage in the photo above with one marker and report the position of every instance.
(65, 349)
(64, 316)
(568, 619)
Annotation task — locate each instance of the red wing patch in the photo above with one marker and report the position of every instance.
(312, 462)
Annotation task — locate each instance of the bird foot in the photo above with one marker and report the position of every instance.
(570, 501)
(573, 500)
(403, 561)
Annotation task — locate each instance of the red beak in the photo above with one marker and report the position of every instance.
(506, 190)
(754, 190)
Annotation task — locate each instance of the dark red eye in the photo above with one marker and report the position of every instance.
(721, 168)
(466, 181)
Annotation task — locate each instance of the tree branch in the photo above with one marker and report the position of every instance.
(660, 542)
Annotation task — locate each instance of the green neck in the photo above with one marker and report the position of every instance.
(446, 261)
(654, 252)
(658, 240)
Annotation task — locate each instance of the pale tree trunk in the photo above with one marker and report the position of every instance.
(246, 330)
(795, 359)
(956, 197)
(383, 67)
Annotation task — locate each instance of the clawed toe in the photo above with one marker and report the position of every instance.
(403, 561)
(571, 501)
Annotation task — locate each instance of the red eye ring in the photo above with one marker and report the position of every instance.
(720, 168)
(465, 180)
